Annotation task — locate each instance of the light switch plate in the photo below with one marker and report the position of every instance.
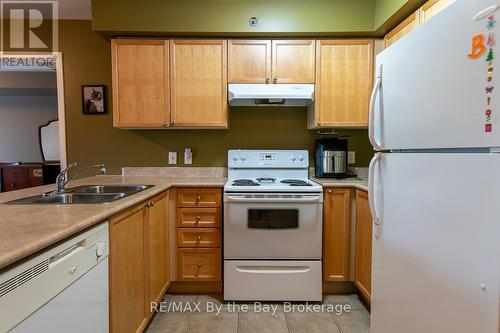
(172, 157)
(351, 157)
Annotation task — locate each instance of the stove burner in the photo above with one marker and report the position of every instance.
(295, 182)
(244, 182)
(266, 180)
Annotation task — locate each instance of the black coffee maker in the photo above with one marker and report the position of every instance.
(331, 158)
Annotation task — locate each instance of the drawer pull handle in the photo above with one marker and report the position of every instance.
(199, 238)
(199, 265)
(198, 218)
(198, 198)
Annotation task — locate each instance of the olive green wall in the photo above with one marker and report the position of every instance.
(92, 138)
(389, 13)
(230, 17)
(384, 9)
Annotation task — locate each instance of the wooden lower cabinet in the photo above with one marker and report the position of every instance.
(363, 257)
(199, 234)
(158, 253)
(138, 263)
(127, 267)
(336, 234)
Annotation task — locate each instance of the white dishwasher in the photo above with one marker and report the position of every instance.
(63, 289)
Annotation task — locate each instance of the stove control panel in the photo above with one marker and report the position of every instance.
(294, 159)
(268, 157)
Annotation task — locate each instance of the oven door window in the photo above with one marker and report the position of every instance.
(273, 218)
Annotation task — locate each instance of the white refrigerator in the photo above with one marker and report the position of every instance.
(434, 183)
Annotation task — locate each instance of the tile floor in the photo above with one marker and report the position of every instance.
(179, 318)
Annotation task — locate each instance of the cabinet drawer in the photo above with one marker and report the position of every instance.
(199, 264)
(198, 237)
(198, 217)
(13, 172)
(199, 197)
(15, 183)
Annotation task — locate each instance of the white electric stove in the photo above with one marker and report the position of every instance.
(272, 227)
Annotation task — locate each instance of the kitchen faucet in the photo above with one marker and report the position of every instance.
(61, 178)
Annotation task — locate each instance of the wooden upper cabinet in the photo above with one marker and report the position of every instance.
(402, 29)
(140, 83)
(293, 61)
(422, 15)
(432, 7)
(266, 61)
(344, 75)
(249, 61)
(198, 83)
(363, 258)
(337, 234)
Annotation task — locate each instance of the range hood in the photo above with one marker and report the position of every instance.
(270, 94)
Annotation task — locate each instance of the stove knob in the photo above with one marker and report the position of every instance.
(301, 158)
(293, 158)
(243, 157)
(235, 158)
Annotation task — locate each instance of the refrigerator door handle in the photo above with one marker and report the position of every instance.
(371, 192)
(371, 113)
(485, 13)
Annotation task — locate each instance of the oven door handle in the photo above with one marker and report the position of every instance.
(230, 198)
(273, 269)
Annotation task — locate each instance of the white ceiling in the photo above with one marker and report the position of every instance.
(73, 9)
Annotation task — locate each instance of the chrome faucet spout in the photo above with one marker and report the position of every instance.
(62, 178)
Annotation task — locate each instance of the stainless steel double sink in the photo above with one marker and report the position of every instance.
(86, 194)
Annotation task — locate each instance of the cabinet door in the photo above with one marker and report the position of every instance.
(127, 255)
(432, 7)
(293, 61)
(198, 83)
(402, 29)
(249, 61)
(344, 72)
(336, 234)
(158, 247)
(140, 83)
(363, 261)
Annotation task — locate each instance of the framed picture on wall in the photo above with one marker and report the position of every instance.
(94, 99)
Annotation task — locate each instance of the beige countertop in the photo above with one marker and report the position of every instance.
(360, 184)
(26, 229)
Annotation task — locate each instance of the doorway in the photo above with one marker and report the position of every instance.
(32, 119)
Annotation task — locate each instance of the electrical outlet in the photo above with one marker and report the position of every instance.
(351, 157)
(188, 156)
(172, 157)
